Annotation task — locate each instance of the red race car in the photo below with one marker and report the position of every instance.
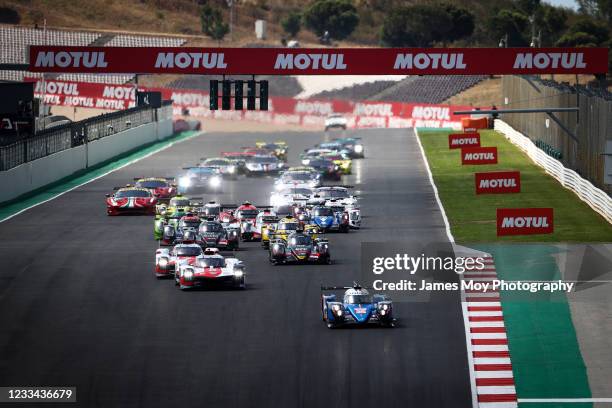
(131, 200)
(162, 188)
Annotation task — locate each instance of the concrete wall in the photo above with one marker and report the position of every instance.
(30, 176)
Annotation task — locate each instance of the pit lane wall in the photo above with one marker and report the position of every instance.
(31, 176)
(282, 110)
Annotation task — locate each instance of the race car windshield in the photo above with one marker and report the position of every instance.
(263, 160)
(269, 219)
(188, 251)
(301, 191)
(190, 224)
(357, 299)
(333, 193)
(132, 194)
(323, 212)
(212, 210)
(211, 227)
(288, 226)
(248, 213)
(200, 171)
(298, 177)
(300, 240)
(152, 184)
(217, 162)
(211, 263)
(179, 203)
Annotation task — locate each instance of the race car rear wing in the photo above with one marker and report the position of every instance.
(355, 286)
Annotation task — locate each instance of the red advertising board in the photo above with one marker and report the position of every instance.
(317, 61)
(479, 155)
(282, 110)
(524, 221)
(498, 182)
(459, 140)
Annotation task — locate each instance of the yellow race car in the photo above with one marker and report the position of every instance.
(178, 205)
(341, 160)
(278, 148)
(284, 228)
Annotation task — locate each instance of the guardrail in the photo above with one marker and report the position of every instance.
(584, 189)
(63, 137)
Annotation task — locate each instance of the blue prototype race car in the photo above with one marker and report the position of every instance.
(329, 220)
(357, 307)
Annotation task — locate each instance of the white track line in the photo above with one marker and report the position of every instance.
(100, 176)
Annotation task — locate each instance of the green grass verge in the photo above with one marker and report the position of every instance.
(473, 217)
(546, 356)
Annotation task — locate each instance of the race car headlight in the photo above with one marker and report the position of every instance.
(276, 247)
(312, 183)
(306, 162)
(358, 148)
(163, 262)
(239, 273)
(336, 167)
(278, 187)
(231, 169)
(233, 234)
(337, 309)
(188, 274)
(215, 181)
(185, 181)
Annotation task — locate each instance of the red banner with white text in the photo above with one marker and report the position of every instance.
(282, 110)
(318, 61)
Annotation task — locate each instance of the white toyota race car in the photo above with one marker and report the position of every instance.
(167, 260)
(210, 269)
(335, 121)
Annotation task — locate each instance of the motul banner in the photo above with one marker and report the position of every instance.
(524, 221)
(459, 140)
(318, 61)
(498, 182)
(478, 155)
(282, 110)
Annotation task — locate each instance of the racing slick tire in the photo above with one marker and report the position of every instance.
(344, 229)
(326, 260)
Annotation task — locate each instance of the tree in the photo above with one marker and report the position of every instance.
(338, 17)
(605, 10)
(528, 7)
(462, 22)
(596, 29)
(511, 23)
(577, 39)
(415, 26)
(587, 7)
(212, 22)
(9, 16)
(552, 21)
(292, 23)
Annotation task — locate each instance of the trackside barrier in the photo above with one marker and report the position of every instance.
(53, 164)
(597, 199)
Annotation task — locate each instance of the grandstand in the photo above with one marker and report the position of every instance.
(426, 89)
(15, 42)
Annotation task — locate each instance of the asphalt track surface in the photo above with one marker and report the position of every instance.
(79, 305)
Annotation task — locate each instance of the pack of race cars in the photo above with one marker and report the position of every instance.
(292, 227)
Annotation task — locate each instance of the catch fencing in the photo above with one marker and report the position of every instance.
(592, 124)
(57, 139)
(597, 199)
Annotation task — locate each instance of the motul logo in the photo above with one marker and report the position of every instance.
(310, 61)
(373, 109)
(545, 60)
(431, 112)
(524, 221)
(119, 92)
(72, 59)
(424, 60)
(190, 60)
(479, 155)
(61, 88)
(457, 140)
(499, 182)
(323, 108)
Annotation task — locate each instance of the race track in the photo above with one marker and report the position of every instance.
(79, 305)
